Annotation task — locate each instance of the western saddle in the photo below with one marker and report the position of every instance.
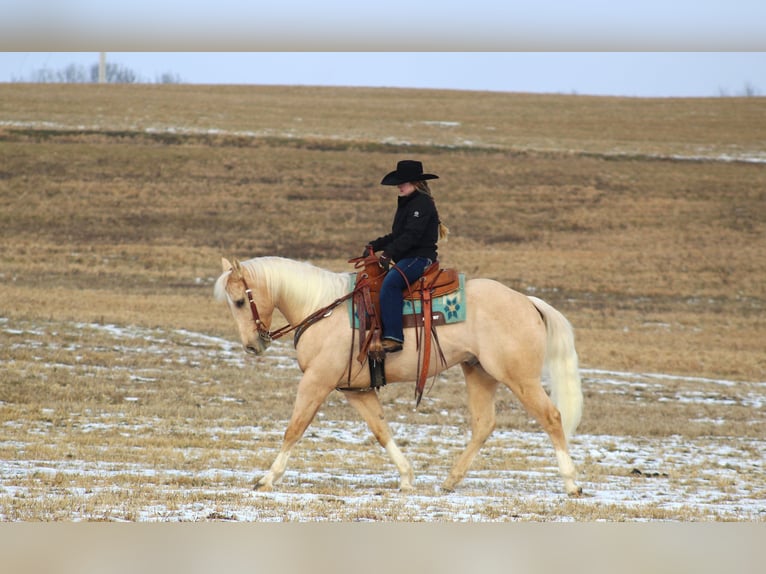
(434, 282)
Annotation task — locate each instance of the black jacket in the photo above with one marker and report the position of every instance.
(415, 230)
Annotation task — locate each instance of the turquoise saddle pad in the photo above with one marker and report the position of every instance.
(450, 306)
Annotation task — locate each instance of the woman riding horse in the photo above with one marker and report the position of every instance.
(411, 245)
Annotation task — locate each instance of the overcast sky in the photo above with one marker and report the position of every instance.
(643, 74)
(349, 25)
(603, 47)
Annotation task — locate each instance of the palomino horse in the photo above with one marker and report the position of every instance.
(506, 338)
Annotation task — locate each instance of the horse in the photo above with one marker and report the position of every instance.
(507, 337)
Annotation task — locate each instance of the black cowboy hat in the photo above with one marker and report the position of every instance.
(407, 170)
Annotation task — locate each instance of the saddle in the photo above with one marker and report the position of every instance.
(434, 282)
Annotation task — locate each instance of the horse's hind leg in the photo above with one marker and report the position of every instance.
(368, 405)
(538, 404)
(481, 407)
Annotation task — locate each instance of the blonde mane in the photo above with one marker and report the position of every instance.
(304, 285)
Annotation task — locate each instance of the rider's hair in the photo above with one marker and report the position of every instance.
(423, 187)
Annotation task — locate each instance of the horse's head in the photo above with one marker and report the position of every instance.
(249, 304)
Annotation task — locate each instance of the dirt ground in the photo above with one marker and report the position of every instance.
(641, 220)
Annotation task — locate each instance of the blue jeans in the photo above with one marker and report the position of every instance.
(391, 298)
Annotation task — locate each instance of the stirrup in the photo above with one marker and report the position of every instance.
(377, 372)
(376, 360)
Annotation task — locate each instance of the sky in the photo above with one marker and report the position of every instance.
(391, 25)
(350, 25)
(652, 48)
(633, 74)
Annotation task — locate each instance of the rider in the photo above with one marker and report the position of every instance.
(411, 244)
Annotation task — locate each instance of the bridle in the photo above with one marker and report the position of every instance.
(268, 336)
(263, 332)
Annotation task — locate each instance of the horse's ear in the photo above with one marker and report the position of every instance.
(226, 265)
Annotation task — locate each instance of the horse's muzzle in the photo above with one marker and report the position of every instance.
(258, 346)
(254, 349)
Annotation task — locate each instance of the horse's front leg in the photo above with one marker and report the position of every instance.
(311, 394)
(368, 405)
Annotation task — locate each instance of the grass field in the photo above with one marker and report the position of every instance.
(124, 394)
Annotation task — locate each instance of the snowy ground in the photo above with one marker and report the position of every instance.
(719, 492)
(625, 478)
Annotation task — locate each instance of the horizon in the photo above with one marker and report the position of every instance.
(653, 74)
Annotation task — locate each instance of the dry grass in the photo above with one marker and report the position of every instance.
(117, 202)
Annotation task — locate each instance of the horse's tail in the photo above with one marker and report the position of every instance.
(562, 365)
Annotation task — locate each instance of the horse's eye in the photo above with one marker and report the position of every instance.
(240, 303)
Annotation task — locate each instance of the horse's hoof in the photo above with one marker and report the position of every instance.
(576, 493)
(261, 487)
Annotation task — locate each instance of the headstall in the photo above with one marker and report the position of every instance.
(268, 336)
(265, 335)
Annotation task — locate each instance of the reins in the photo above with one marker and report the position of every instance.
(268, 336)
(422, 336)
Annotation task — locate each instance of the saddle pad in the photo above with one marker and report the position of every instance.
(448, 308)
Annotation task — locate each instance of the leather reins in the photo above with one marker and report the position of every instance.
(268, 336)
(428, 331)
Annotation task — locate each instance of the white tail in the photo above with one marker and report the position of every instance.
(562, 367)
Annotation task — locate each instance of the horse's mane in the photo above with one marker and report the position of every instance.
(300, 282)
